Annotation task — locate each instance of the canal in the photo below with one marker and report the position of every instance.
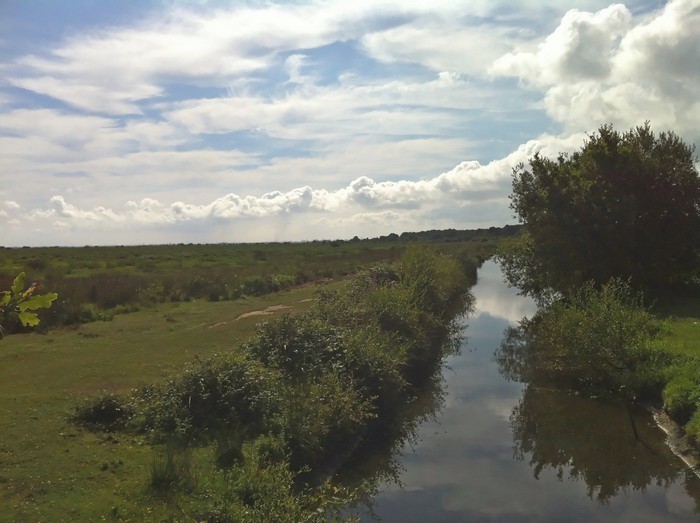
(502, 451)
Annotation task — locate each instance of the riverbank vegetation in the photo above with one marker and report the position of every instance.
(252, 429)
(606, 229)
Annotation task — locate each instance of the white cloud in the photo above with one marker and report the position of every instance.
(445, 43)
(330, 113)
(606, 67)
(113, 70)
(377, 206)
(337, 116)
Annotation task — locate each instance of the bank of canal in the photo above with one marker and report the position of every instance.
(502, 451)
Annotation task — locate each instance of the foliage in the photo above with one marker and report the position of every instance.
(171, 470)
(18, 305)
(681, 395)
(105, 412)
(93, 281)
(625, 205)
(229, 392)
(693, 426)
(300, 396)
(262, 487)
(597, 341)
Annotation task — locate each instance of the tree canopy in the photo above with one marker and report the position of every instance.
(626, 205)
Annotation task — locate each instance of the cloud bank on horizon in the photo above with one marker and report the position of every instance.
(168, 122)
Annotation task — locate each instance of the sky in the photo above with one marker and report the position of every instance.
(150, 122)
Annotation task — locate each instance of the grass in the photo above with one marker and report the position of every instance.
(682, 339)
(49, 469)
(683, 336)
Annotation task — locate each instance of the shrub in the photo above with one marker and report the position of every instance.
(171, 469)
(300, 346)
(322, 418)
(107, 412)
(693, 426)
(221, 394)
(598, 341)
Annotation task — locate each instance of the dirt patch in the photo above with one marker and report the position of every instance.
(269, 310)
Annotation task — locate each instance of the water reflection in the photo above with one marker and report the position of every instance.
(456, 462)
(610, 446)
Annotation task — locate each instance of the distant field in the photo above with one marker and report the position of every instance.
(95, 283)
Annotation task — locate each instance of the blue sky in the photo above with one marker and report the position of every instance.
(165, 121)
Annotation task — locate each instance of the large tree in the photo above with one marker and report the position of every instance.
(626, 204)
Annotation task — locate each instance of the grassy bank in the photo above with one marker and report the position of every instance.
(237, 435)
(681, 339)
(606, 342)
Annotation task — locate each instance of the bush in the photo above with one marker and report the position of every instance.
(693, 426)
(300, 346)
(305, 390)
(598, 341)
(222, 394)
(107, 412)
(171, 469)
(322, 418)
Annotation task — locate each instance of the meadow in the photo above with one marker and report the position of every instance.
(147, 314)
(139, 328)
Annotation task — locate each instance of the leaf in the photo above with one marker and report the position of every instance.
(42, 301)
(28, 319)
(18, 284)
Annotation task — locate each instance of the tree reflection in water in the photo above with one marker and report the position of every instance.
(611, 445)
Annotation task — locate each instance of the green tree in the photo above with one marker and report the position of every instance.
(626, 204)
(18, 305)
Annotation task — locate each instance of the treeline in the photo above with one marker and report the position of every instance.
(457, 235)
(253, 434)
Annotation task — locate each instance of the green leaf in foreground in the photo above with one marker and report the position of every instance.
(20, 304)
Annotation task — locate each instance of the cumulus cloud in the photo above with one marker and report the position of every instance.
(306, 120)
(608, 67)
(377, 205)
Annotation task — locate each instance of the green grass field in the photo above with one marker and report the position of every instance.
(52, 471)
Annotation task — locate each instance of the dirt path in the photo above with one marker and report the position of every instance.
(269, 310)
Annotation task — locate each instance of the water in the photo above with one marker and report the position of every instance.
(500, 451)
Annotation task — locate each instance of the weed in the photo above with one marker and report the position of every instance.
(106, 412)
(171, 470)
